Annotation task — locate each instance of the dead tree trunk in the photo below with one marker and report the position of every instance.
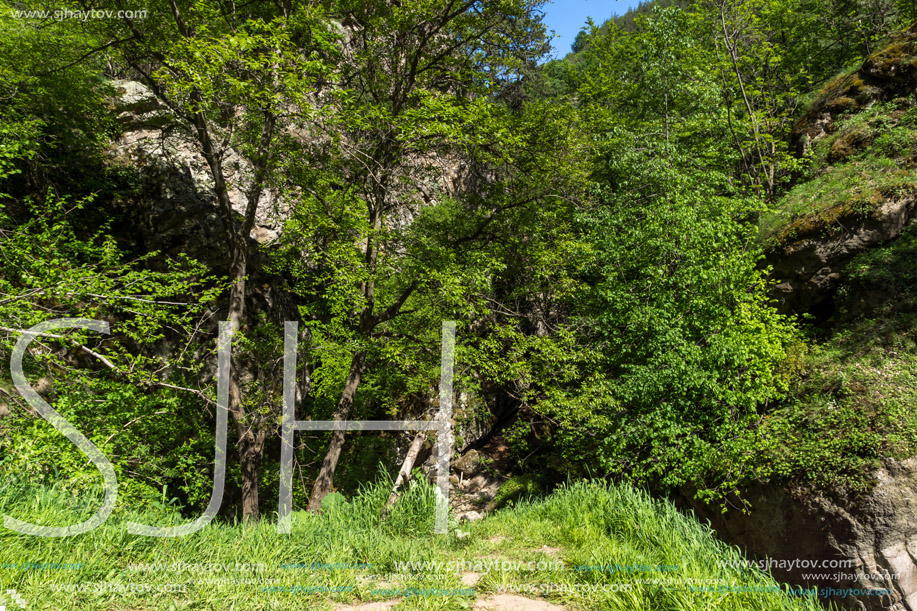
(407, 466)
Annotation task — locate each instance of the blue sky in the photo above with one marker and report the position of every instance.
(567, 17)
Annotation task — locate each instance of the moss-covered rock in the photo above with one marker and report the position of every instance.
(851, 143)
(517, 488)
(885, 75)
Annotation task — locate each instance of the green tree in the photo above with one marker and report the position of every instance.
(128, 400)
(678, 348)
(228, 79)
(426, 153)
(59, 260)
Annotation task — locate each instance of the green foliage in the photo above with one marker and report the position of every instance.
(852, 405)
(381, 258)
(333, 502)
(677, 349)
(908, 11)
(589, 224)
(682, 332)
(55, 106)
(724, 71)
(109, 387)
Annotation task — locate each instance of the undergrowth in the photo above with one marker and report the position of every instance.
(580, 524)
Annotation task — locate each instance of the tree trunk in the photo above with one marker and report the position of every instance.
(251, 451)
(251, 441)
(251, 444)
(325, 479)
(405, 473)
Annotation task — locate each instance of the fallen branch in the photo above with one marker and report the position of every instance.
(407, 466)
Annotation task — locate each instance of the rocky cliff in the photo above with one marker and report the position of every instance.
(860, 135)
(865, 543)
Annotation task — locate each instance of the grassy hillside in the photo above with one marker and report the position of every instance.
(859, 135)
(623, 536)
(867, 158)
(852, 401)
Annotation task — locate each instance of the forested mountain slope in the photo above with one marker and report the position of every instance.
(677, 259)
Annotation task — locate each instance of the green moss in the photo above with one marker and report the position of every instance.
(842, 104)
(850, 143)
(892, 59)
(843, 85)
(516, 488)
(852, 401)
(867, 160)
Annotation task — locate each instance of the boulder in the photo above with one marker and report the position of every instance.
(468, 464)
(868, 542)
(808, 266)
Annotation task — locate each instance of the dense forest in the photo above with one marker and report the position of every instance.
(616, 235)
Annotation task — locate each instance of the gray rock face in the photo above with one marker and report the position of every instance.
(868, 543)
(174, 209)
(809, 268)
(177, 211)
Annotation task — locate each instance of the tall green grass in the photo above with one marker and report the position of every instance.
(587, 523)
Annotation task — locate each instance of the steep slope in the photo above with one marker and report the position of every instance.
(838, 452)
(860, 134)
